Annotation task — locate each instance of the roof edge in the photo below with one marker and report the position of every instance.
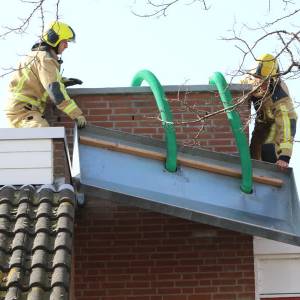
(145, 89)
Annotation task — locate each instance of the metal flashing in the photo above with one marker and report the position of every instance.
(271, 211)
(146, 90)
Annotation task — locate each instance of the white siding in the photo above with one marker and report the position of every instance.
(27, 161)
(25, 145)
(26, 176)
(20, 160)
(279, 275)
(277, 269)
(26, 155)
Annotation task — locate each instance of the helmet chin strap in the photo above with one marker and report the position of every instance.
(59, 55)
(60, 61)
(56, 49)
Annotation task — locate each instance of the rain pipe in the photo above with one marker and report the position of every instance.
(219, 81)
(165, 114)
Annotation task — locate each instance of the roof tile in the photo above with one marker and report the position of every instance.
(36, 228)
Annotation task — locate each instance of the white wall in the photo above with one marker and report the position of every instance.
(277, 269)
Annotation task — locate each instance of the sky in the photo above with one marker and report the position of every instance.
(112, 44)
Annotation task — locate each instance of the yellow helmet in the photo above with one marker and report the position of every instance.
(267, 65)
(56, 32)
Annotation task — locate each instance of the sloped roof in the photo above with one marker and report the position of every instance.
(36, 228)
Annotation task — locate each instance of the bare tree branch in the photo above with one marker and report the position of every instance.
(38, 6)
(160, 9)
(36, 11)
(269, 24)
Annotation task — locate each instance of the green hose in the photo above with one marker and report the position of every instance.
(236, 127)
(165, 113)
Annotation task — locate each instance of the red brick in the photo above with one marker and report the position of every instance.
(225, 297)
(125, 124)
(175, 298)
(203, 297)
(100, 112)
(170, 291)
(162, 284)
(144, 130)
(186, 283)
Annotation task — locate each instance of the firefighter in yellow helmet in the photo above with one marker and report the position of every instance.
(275, 123)
(38, 78)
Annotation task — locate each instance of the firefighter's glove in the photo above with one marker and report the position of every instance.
(71, 81)
(81, 121)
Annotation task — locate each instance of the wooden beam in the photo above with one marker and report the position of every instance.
(181, 160)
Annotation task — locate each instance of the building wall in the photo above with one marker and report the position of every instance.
(125, 253)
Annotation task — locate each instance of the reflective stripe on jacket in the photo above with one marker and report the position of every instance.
(37, 79)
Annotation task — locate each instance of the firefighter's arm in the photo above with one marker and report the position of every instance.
(285, 120)
(259, 86)
(282, 164)
(60, 97)
(51, 80)
(247, 79)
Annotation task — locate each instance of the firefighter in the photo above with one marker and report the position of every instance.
(38, 78)
(275, 123)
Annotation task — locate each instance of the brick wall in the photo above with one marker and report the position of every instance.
(124, 253)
